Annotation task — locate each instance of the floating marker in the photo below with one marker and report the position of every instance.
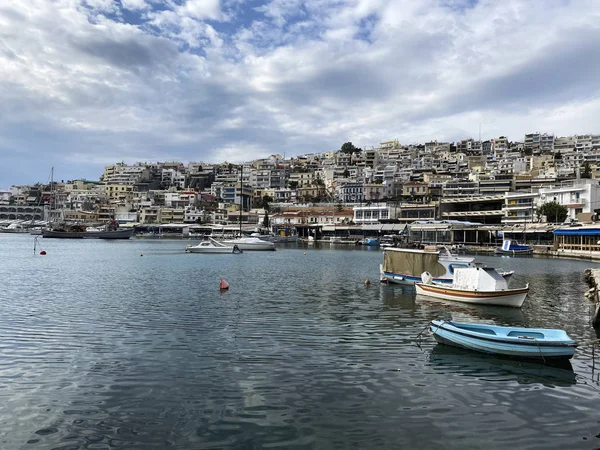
(223, 285)
(304, 253)
(43, 252)
(141, 255)
(367, 282)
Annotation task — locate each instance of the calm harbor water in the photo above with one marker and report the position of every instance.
(103, 348)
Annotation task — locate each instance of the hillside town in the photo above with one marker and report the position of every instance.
(493, 183)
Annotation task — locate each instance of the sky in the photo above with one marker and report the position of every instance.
(89, 83)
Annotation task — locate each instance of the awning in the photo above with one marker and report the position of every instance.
(578, 232)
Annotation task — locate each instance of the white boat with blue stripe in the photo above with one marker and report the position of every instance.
(536, 343)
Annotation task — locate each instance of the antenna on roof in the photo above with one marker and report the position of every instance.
(479, 131)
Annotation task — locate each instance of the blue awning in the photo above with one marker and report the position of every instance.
(578, 232)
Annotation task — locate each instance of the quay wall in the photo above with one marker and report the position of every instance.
(592, 278)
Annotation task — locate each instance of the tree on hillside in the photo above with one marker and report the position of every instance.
(349, 148)
(346, 173)
(587, 170)
(265, 202)
(266, 220)
(554, 212)
(293, 184)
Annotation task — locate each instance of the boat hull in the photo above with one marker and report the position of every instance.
(115, 234)
(252, 246)
(512, 297)
(410, 280)
(528, 348)
(499, 251)
(192, 249)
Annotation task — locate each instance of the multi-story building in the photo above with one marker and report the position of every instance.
(538, 142)
(374, 213)
(457, 188)
(486, 209)
(520, 207)
(578, 196)
(351, 192)
(124, 174)
(415, 189)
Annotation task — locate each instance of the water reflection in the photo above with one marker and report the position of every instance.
(462, 312)
(446, 358)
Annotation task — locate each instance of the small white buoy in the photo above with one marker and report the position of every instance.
(304, 253)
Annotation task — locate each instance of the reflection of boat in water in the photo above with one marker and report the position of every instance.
(465, 312)
(469, 364)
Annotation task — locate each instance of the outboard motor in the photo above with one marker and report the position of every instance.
(426, 278)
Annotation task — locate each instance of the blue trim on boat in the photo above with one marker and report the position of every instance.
(416, 279)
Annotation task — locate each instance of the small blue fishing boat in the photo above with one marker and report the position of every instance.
(538, 343)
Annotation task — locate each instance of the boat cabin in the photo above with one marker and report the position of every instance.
(478, 279)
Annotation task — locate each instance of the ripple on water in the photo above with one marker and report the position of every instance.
(109, 350)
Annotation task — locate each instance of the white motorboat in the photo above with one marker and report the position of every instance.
(212, 246)
(250, 243)
(14, 228)
(476, 285)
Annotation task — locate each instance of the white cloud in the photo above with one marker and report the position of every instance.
(135, 5)
(210, 79)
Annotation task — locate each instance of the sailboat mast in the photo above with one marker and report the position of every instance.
(241, 195)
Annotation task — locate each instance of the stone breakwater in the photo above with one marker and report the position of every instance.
(592, 278)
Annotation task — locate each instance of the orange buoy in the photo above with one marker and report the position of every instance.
(223, 285)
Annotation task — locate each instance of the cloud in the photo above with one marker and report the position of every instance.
(207, 80)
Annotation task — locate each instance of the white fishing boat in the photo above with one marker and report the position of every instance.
(212, 246)
(405, 266)
(475, 285)
(250, 243)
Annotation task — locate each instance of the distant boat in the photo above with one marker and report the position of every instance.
(511, 248)
(65, 231)
(538, 343)
(212, 246)
(475, 285)
(374, 242)
(14, 228)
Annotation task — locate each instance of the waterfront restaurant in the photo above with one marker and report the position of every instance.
(452, 232)
(578, 239)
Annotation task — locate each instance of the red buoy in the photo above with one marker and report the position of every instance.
(223, 285)
(43, 252)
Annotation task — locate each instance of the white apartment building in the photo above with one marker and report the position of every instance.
(124, 174)
(520, 208)
(372, 214)
(173, 177)
(580, 196)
